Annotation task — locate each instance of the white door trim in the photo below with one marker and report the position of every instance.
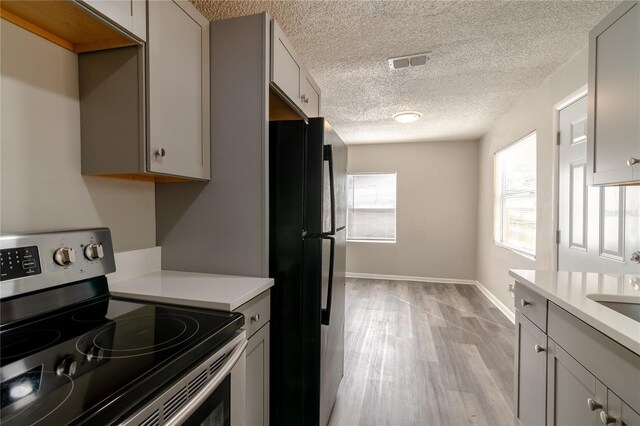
(555, 180)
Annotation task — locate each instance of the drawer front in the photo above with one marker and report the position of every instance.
(532, 305)
(257, 312)
(611, 363)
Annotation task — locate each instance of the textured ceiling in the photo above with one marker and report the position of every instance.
(486, 56)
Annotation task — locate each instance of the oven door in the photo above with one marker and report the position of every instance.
(212, 394)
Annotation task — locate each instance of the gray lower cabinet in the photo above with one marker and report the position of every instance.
(144, 110)
(614, 105)
(574, 395)
(257, 388)
(569, 373)
(531, 367)
(257, 313)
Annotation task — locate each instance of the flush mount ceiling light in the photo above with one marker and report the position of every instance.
(407, 116)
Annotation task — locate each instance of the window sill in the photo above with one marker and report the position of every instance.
(515, 250)
(372, 241)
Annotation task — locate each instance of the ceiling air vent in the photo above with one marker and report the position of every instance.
(408, 61)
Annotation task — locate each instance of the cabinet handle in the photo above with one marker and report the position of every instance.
(160, 152)
(524, 303)
(255, 318)
(632, 160)
(606, 419)
(538, 348)
(635, 257)
(593, 406)
(304, 99)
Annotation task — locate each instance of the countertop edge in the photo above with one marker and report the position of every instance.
(600, 326)
(229, 305)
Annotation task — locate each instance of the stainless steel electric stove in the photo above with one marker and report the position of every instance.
(72, 354)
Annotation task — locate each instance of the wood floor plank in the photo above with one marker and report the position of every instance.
(424, 354)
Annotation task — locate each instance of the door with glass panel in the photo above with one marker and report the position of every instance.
(599, 226)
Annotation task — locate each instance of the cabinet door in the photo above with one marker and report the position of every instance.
(309, 95)
(257, 389)
(621, 412)
(285, 66)
(614, 100)
(531, 369)
(128, 14)
(178, 90)
(574, 396)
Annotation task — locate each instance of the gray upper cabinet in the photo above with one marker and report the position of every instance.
(178, 89)
(130, 15)
(614, 100)
(144, 110)
(289, 77)
(309, 95)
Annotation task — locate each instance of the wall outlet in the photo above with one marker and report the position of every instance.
(511, 290)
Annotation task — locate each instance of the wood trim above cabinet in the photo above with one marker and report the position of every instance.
(64, 23)
(147, 178)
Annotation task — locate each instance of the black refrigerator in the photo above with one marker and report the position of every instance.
(307, 215)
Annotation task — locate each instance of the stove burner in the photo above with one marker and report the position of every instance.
(28, 409)
(141, 335)
(22, 343)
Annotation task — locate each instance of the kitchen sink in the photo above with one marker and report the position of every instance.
(628, 306)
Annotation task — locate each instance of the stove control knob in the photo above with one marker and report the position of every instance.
(66, 367)
(64, 256)
(94, 251)
(94, 354)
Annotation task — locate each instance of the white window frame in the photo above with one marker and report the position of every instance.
(395, 211)
(497, 236)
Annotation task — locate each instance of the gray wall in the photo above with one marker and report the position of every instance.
(535, 112)
(41, 185)
(436, 210)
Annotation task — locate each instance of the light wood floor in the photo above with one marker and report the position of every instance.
(424, 354)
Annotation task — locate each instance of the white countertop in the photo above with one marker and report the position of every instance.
(569, 290)
(223, 292)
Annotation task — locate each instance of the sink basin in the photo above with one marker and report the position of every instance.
(628, 306)
(631, 310)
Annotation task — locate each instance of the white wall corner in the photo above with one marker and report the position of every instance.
(511, 316)
(134, 263)
(409, 278)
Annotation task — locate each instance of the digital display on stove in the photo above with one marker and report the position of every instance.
(20, 387)
(19, 262)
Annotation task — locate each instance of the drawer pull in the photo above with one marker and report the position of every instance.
(538, 348)
(606, 419)
(632, 161)
(524, 303)
(593, 406)
(255, 318)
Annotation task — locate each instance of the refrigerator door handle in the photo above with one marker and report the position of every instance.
(327, 155)
(325, 315)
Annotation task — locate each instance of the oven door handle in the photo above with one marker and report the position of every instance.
(192, 405)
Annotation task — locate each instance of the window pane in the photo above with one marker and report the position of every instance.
(515, 196)
(371, 207)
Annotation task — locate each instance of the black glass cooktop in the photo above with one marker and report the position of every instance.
(93, 363)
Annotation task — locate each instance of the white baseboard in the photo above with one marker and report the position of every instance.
(134, 263)
(408, 278)
(503, 308)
